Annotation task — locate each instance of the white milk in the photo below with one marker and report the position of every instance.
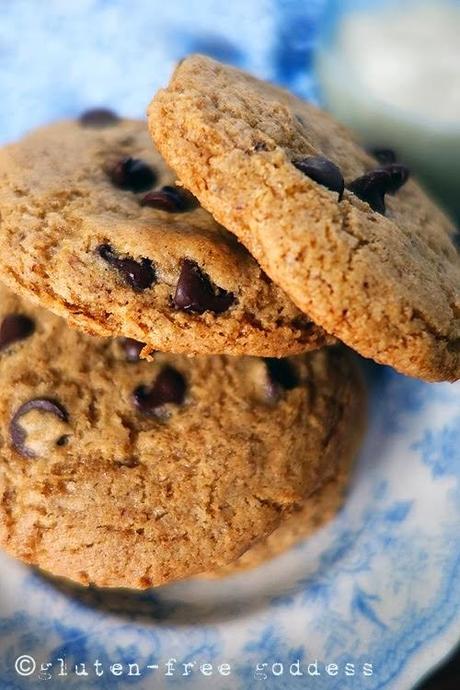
(393, 74)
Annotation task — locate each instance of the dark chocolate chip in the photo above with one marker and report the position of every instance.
(132, 349)
(260, 146)
(133, 174)
(372, 186)
(98, 118)
(15, 327)
(169, 387)
(168, 198)
(323, 171)
(399, 174)
(282, 376)
(196, 293)
(18, 433)
(139, 275)
(385, 156)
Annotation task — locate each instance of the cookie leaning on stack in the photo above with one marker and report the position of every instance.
(354, 243)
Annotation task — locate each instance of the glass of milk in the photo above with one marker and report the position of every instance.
(391, 71)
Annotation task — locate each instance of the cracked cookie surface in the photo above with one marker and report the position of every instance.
(380, 272)
(93, 228)
(316, 511)
(125, 472)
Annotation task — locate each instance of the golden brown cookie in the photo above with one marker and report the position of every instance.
(129, 473)
(374, 263)
(305, 520)
(93, 228)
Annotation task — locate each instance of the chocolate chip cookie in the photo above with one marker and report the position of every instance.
(93, 227)
(356, 244)
(316, 512)
(132, 473)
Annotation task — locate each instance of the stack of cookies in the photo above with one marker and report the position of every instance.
(177, 399)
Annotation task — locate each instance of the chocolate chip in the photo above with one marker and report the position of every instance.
(399, 174)
(139, 275)
(169, 387)
(372, 186)
(323, 171)
(15, 327)
(260, 146)
(385, 156)
(19, 434)
(196, 293)
(171, 199)
(98, 118)
(133, 174)
(282, 376)
(132, 349)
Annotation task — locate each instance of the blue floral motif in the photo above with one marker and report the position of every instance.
(440, 449)
(296, 32)
(362, 604)
(217, 47)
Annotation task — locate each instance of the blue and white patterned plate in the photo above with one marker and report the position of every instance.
(374, 596)
(376, 592)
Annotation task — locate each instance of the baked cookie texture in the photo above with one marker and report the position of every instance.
(93, 228)
(388, 285)
(317, 510)
(128, 473)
